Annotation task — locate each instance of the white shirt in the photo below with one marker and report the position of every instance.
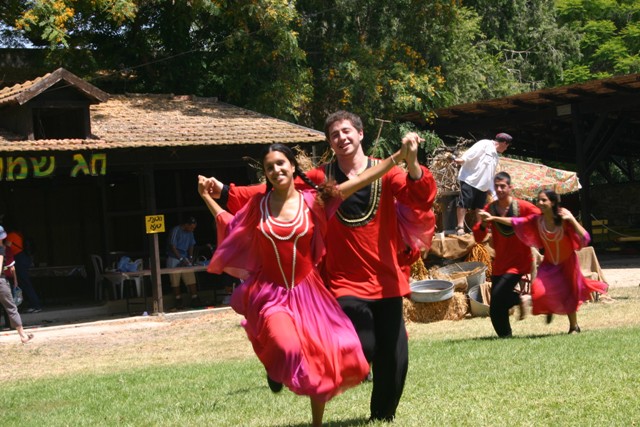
(480, 163)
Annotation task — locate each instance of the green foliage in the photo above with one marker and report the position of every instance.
(526, 36)
(389, 139)
(610, 37)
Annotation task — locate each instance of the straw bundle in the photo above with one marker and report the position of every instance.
(454, 308)
(443, 169)
(480, 253)
(419, 271)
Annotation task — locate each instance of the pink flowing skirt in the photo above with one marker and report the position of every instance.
(562, 288)
(301, 336)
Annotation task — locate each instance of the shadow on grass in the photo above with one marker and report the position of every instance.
(513, 337)
(342, 423)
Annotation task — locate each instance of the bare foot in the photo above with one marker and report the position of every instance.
(26, 338)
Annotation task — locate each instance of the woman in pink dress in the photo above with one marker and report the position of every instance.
(296, 327)
(559, 286)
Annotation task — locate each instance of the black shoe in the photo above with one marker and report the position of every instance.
(549, 318)
(179, 305)
(195, 302)
(575, 329)
(274, 386)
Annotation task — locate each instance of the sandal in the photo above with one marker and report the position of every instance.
(460, 231)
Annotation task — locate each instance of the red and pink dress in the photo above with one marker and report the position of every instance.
(296, 327)
(559, 286)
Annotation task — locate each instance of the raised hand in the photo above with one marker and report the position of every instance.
(484, 215)
(214, 187)
(412, 140)
(205, 186)
(565, 214)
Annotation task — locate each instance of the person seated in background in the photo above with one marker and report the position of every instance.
(180, 254)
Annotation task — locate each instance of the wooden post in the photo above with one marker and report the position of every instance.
(154, 250)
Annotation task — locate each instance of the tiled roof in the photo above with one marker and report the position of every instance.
(136, 120)
(24, 92)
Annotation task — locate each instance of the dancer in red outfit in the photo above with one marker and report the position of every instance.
(559, 286)
(362, 266)
(513, 258)
(296, 327)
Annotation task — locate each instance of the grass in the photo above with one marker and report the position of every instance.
(459, 375)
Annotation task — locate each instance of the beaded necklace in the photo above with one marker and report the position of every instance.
(551, 237)
(301, 220)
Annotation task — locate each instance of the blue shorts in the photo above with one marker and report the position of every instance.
(471, 197)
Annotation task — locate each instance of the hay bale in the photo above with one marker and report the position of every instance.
(454, 308)
(419, 271)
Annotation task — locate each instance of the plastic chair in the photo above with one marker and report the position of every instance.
(98, 278)
(115, 280)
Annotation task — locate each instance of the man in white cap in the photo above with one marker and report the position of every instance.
(477, 167)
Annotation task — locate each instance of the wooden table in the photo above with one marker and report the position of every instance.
(58, 271)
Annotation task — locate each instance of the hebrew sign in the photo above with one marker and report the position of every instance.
(19, 168)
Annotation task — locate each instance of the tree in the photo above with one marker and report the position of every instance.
(243, 51)
(609, 37)
(535, 47)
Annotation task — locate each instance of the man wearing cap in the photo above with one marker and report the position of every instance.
(180, 254)
(477, 167)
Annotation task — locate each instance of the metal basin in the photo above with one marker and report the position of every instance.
(477, 306)
(431, 290)
(464, 268)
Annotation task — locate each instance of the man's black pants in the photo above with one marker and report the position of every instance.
(380, 327)
(503, 297)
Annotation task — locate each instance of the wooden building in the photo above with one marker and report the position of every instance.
(80, 169)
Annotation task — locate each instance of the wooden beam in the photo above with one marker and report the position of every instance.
(583, 174)
(604, 149)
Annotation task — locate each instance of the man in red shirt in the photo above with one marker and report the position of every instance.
(513, 258)
(361, 263)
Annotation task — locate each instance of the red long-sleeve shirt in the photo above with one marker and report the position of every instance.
(512, 256)
(361, 259)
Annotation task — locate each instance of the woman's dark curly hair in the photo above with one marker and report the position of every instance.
(325, 191)
(554, 198)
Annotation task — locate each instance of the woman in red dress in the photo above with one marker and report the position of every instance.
(296, 327)
(559, 286)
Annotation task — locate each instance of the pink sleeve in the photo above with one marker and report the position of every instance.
(234, 253)
(415, 226)
(526, 229)
(578, 240)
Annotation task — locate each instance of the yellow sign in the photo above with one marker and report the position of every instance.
(154, 223)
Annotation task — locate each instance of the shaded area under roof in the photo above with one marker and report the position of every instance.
(590, 125)
(604, 115)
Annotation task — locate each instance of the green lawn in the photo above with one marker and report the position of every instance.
(542, 377)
